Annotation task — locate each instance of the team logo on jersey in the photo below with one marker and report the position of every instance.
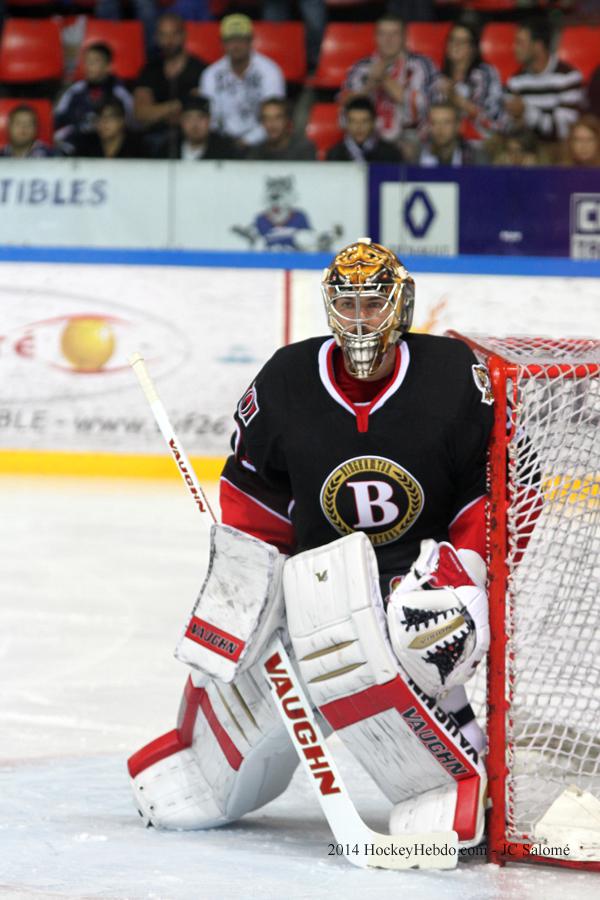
(374, 495)
(248, 405)
(481, 377)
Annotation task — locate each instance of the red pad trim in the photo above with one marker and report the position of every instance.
(181, 738)
(396, 694)
(215, 640)
(164, 746)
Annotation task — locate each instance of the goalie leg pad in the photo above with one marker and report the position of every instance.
(239, 607)
(407, 743)
(230, 754)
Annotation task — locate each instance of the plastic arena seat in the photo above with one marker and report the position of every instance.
(125, 39)
(284, 43)
(493, 6)
(579, 45)
(344, 43)
(428, 38)
(497, 47)
(323, 126)
(203, 39)
(43, 109)
(30, 51)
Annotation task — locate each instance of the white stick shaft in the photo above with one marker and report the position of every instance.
(136, 361)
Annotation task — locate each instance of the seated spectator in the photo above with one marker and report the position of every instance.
(593, 92)
(281, 142)
(519, 148)
(23, 128)
(398, 82)
(76, 111)
(546, 94)
(196, 140)
(237, 84)
(445, 146)
(110, 138)
(361, 142)
(472, 85)
(582, 147)
(165, 83)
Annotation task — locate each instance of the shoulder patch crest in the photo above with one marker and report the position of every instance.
(248, 406)
(481, 377)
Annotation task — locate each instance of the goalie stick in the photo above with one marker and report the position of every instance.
(360, 845)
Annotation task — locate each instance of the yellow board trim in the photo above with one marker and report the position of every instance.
(103, 465)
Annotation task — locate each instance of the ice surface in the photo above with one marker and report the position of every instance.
(97, 579)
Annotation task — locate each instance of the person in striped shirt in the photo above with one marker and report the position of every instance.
(546, 94)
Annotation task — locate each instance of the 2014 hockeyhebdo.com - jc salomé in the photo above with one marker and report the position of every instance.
(418, 849)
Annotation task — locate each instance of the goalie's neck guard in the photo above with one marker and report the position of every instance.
(369, 300)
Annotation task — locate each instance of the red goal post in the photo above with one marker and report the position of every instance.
(543, 670)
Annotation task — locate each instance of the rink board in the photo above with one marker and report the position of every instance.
(69, 403)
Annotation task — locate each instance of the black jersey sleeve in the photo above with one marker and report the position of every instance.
(255, 490)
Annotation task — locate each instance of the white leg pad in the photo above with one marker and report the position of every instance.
(230, 754)
(406, 742)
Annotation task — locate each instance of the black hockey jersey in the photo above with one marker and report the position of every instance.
(310, 466)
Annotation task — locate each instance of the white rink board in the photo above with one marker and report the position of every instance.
(205, 332)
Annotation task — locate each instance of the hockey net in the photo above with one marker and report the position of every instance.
(543, 675)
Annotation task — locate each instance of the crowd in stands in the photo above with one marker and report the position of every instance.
(391, 104)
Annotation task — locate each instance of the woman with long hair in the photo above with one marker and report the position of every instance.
(472, 85)
(582, 147)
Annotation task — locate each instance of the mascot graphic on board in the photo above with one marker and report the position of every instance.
(282, 225)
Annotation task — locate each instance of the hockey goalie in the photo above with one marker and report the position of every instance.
(353, 525)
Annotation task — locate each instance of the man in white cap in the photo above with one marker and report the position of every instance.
(237, 83)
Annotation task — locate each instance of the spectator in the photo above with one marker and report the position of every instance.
(165, 83)
(519, 148)
(398, 82)
(593, 92)
(145, 11)
(445, 146)
(314, 16)
(238, 83)
(280, 142)
(76, 111)
(470, 84)
(546, 94)
(110, 138)
(196, 139)
(582, 146)
(361, 142)
(23, 128)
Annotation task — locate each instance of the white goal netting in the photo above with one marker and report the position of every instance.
(552, 619)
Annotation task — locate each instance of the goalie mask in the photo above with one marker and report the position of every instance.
(369, 298)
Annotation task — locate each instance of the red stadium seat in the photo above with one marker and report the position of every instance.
(343, 44)
(497, 47)
(203, 39)
(579, 45)
(284, 43)
(428, 38)
(323, 126)
(125, 39)
(30, 51)
(42, 107)
(493, 6)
